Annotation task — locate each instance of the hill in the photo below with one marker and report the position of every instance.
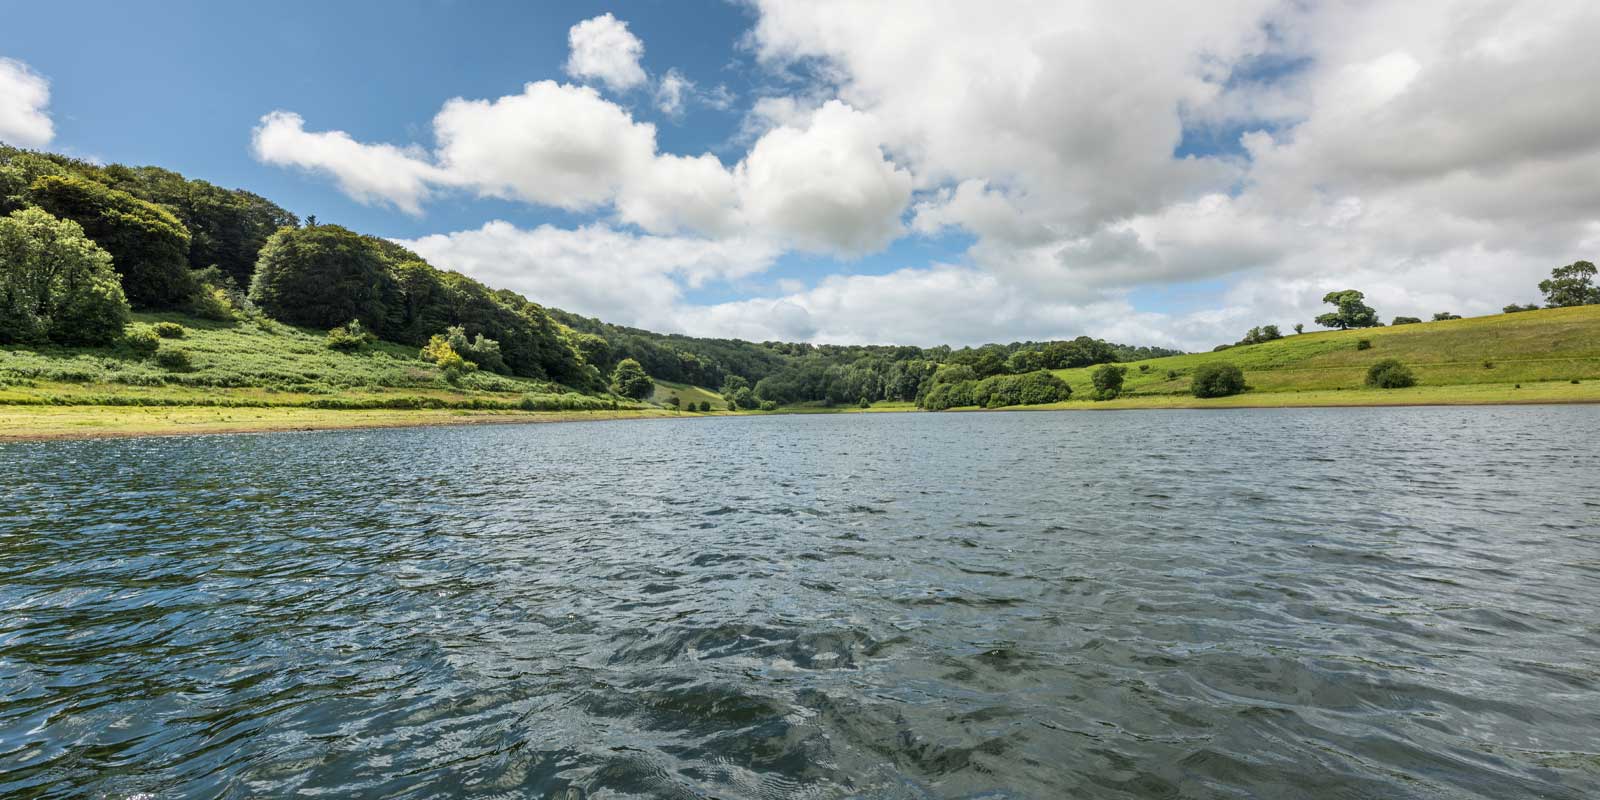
(1474, 360)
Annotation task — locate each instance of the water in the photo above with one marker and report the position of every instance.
(1327, 603)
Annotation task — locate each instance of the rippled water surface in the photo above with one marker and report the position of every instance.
(1324, 603)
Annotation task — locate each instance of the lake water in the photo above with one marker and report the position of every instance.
(1319, 603)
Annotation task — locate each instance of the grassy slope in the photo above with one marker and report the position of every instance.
(1542, 350)
(687, 394)
(246, 363)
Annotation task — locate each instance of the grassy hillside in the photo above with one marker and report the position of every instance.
(261, 363)
(687, 394)
(1533, 347)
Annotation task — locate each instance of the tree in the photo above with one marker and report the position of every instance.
(1352, 311)
(1514, 308)
(149, 247)
(1390, 374)
(705, 406)
(1299, 327)
(672, 400)
(1443, 316)
(629, 380)
(1264, 333)
(55, 284)
(321, 277)
(1108, 381)
(1571, 285)
(1405, 321)
(1216, 380)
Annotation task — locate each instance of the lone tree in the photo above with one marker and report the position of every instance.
(322, 277)
(56, 285)
(1108, 381)
(1390, 374)
(630, 380)
(1571, 285)
(1216, 380)
(1353, 312)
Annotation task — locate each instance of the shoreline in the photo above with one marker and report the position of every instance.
(46, 423)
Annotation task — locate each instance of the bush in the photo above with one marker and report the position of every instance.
(175, 359)
(1488, 365)
(1144, 367)
(142, 341)
(1405, 321)
(1364, 344)
(1445, 316)
(672, 400)
(1172, 374)
(168, 330)
(55, 284)
(213, 303)
(862, 403)
(1216, 380)
(1390, 374)
(705, 406)
(1108, 381)
(772, 405)
(1514, 308)
(630, 380)
(349, 337)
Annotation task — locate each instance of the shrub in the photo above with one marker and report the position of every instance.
(705, 406)
(142, 341)
(349, 337)
(1221, 347)
(673, 401)
(1575, 380)
(213, 303)
(862, 403)
(1216, 380)
(1299, 327)
(1144, 367)
(55, 284)
(772, 405)
(1108, 381)
(175, 359)
(629, 380)
(1390, 374)
(1405, 321)
(1488, 365)
(1172, 374)
(168, 330)
(1364, 344)
(1514, 308)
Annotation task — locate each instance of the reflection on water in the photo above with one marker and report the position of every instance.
(1333, 603)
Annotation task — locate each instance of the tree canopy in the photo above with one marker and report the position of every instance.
(1352, 311)
(322, 277)
(56, 285)
(149, 247)
(629, 380)
(1571, 285)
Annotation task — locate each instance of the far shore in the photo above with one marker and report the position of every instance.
(63, 422)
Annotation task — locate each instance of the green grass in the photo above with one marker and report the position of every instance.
(688, 394)
(1532, 347)
(258, 364)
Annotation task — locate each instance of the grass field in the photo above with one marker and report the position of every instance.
(687, 394)
(1477, 360)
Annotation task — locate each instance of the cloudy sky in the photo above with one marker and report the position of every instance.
(915, 172)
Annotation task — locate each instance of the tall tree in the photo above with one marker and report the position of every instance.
(55, 284)
(322, 277)
(149, 247)
(1571, 285)
(1352, 311)
(630, 380)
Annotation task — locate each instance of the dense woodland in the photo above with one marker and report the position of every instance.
(81, 244)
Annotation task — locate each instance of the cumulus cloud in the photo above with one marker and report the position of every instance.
(369, 173)
(604, 49)
(24, 106)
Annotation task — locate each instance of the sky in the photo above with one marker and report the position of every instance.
(915, 172)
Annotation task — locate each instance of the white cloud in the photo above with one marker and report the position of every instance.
(604, 49)
(673, 92)
(370, 173)
(595, 270)
(24, 106)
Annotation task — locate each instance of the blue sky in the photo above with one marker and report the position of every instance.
(894, 172)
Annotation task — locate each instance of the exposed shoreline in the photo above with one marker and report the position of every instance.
(39, 423)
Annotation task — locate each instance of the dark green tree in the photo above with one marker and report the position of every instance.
(1443, 316)
(149, 247)
(1571, 285)
(55, 284)
(629, 380)
(1405, 321)
(1352, 311)
(322, 277)
(1108, 381)
(1216, 380)
(1390, 374)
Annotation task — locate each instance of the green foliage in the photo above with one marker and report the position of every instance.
(1108, 381)
(56, 285)
(705, 406)
(322, 277)
(1571, 285)
(629, 380)
(772, 405)
(1264, 333)
(176, 359)
(1299, 327)
(1363, 344)
(672, 400)
(745, 398)
(1172, 374)
(1444, 316)
(168, 330)
(1144, 367)
(1390, 374)
(142, 341)
(1405, 321)
(350, 337)
(862, 403)
(1216, 380)
(149, 247)
(213, 303)
(1514, 308)
(1352, 311)
(999, 391)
